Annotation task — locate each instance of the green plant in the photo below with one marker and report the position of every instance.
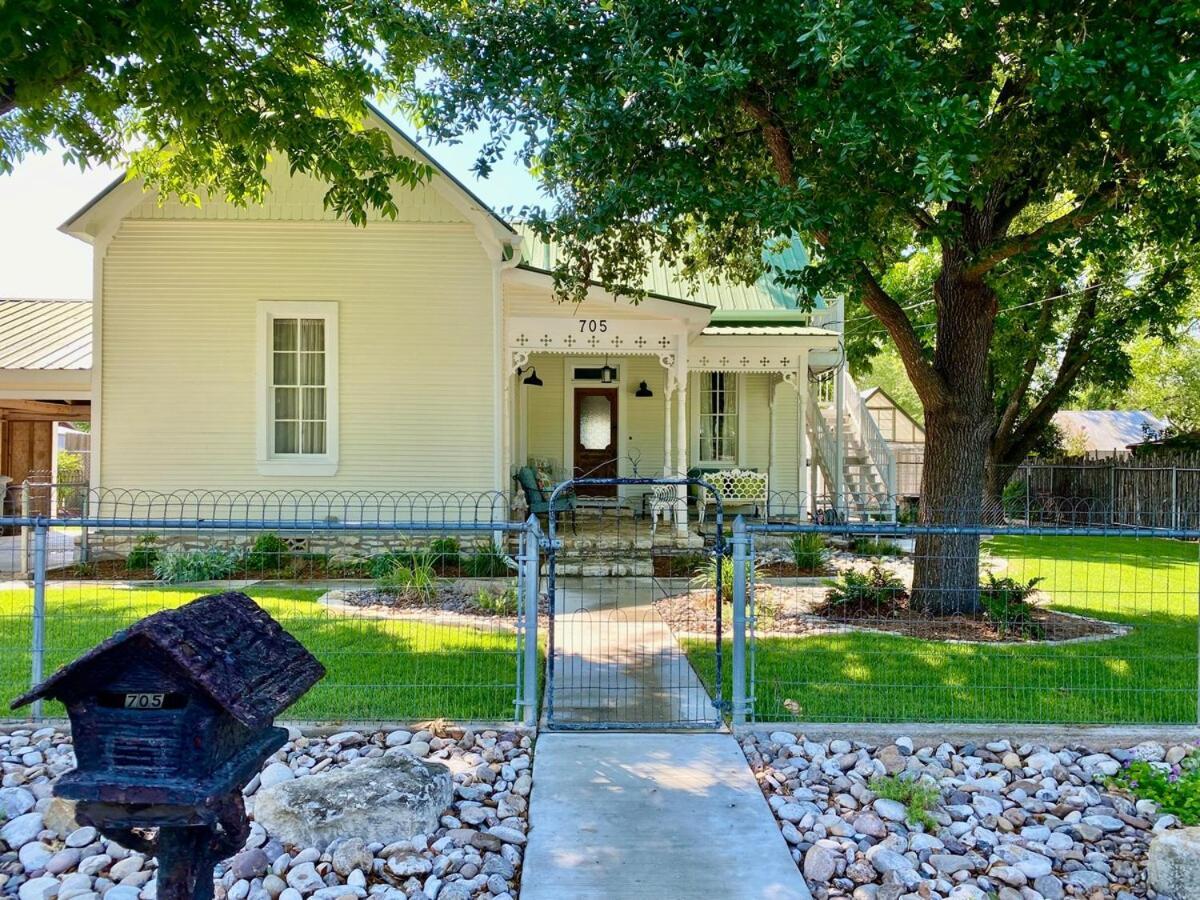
(706, 576)
(1175, 788)
(182, 566)
(682, 565)
(920, 797)
(500, 603)
(810, 550)
(876, 592)
(413, 578)
(872, 545)
(447, 551)
(1013, 498)
(144, 554)
(1006, 605)
(268, 554)
(489, 562)
(349, 568)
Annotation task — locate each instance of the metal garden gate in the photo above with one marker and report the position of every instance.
(635, 606)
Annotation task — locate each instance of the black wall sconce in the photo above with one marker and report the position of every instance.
(643, 391)
(532, 378)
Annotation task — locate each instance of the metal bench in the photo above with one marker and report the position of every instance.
(737, 487)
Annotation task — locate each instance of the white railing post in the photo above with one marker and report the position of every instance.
(738, 638)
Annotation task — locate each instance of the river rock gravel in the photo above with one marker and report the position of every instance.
(1014, 822)
(474, 853)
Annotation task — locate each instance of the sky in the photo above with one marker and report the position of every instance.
(37, 261)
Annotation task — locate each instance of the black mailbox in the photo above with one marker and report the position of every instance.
(170, 718)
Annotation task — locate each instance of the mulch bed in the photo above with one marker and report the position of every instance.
(783, 611)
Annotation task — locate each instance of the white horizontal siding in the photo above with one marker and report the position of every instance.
(416, 348)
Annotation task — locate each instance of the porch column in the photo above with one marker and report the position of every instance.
(803, 455)
(668, 390)
(681, 430)
(506, 430)
(772, 390)
(839, 461)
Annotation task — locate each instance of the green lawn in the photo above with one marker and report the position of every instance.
(1148, 676)
(377, 669)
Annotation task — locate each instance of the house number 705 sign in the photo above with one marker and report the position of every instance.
(592, 326)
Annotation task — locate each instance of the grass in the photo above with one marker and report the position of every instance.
(1148, 676)
(377, 668)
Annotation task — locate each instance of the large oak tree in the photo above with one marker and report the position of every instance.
(1012, 144)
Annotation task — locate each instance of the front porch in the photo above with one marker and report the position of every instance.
(655, 390)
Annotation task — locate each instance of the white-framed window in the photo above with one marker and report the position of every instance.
(297, 387)
(718, 442)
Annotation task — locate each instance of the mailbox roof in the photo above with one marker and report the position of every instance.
(229, 647)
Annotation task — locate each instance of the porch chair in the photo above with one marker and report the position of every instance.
(538, 499)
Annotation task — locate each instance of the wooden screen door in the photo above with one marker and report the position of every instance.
(596, 437)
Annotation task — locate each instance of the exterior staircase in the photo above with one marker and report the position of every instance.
(866, 490)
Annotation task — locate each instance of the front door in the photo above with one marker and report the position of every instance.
(596, 437)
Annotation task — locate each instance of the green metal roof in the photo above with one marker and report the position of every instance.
(763, 303)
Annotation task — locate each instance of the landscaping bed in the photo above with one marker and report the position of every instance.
(473, 849)
(959, 820)
(787, 610)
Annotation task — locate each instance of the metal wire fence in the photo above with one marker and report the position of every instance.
(417, 604)
(1058, 614)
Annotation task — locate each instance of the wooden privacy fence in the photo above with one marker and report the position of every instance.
(1159, 492)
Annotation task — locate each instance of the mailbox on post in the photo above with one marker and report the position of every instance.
(170, 718)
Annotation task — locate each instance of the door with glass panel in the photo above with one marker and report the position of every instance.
(596, 438)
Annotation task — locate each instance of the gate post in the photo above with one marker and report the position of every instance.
(37, 653)
(529, 603)
(738, 638)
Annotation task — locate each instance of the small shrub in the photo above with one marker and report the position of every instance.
(1006, 605)
(683, 565)
(1013, 499)
(83, 569)
(182, 566)
(144, 555)
(706, 576)
(876, 592)
(810, 550)
(349, 568)
(269, 553)
(920, 797)
(447, 551)
(413, 579)
(486, 563)
(866, 545)
(1176, 789)
(501, 603)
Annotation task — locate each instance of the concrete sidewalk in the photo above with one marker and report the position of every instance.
(655, 816)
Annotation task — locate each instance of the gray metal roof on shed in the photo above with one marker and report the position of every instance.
(1108, 429)
(45, 334)
(228, 646)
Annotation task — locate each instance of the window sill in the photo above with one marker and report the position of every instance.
(300, 467)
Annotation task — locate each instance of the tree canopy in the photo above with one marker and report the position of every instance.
(195, 95)
(1024, 159)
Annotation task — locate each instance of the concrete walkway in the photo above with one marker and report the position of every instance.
(658, 816)
(616, 661)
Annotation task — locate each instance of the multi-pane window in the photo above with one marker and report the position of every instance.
(299, 425)
(718, 417)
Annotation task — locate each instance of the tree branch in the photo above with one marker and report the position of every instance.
(779, 145)
(1064, 224)
(1009, 417)
(930, 384)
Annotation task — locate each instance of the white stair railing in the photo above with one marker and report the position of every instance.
(878, 451)
(824, 442)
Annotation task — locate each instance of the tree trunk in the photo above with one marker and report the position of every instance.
(958, 432)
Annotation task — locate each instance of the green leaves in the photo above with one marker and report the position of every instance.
(196, 95)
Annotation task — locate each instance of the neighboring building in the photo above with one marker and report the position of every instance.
(45, 378)
(282, 348)
(1101, 433)
(904, 435)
